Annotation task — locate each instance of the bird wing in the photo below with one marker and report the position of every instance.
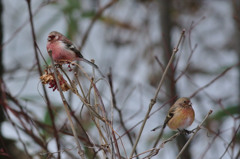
(74, 49)
(171, 113)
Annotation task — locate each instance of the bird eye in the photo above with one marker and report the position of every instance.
(51, 37)
(185, 102)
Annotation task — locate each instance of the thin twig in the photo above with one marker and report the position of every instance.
(114, 102)
(154, 151)
(116, 144)
(80, 86)
(212, 81)
(129, 130)
(40, 73)
(100, 106)
(3, 103)
(153, 101)
(98, 15)
(142, 153)
(159, 136)
(80, 151)
(83, 99)
(25, 23)
(234, 137)
(209, 146)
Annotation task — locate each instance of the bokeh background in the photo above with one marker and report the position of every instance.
(134, 41)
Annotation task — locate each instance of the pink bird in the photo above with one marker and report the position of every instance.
(63, 49)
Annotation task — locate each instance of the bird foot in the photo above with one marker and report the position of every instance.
(58, 65)
(185, 132)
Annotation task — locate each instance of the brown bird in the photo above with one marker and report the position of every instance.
(181, 115)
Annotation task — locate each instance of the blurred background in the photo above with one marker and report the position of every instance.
(134, 41)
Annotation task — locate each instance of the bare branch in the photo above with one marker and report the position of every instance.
(153, 101)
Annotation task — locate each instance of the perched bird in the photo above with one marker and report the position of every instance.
(181, 115)
(63, 49)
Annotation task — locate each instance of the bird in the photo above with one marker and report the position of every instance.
(180, 115)
(62, 49)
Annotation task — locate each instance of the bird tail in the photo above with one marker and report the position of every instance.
(89, 62)
(158, 127)
(92, 64)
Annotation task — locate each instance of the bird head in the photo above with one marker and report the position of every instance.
(184, 101)
(54, 36)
